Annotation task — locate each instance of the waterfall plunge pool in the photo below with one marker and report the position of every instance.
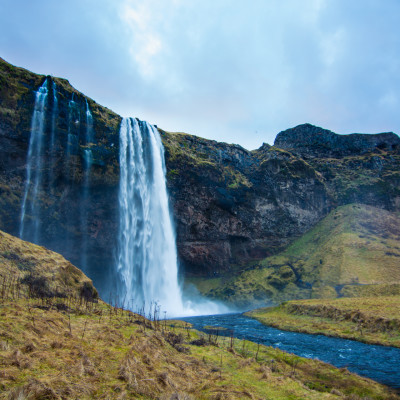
(380, 363)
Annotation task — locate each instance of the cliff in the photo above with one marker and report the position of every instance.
(311, 141)
(231, 206)
(61, 196)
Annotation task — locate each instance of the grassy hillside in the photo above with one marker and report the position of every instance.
(45, 274)
(60, 344)
(354, 251)
(368, 319)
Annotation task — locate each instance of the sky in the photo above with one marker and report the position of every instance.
(238, 71)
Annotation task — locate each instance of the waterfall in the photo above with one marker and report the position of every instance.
(146, 269)
(54, 116)
(147, 258)
(89, 124)
(87, 163)
(74, 121)
(52, 150)
(29, 229)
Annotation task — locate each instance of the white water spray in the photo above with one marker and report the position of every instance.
(33, 169)
(147, 257)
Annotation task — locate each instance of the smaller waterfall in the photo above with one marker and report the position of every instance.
(74, 121)
(52, 150)
(147, 258)
(89, 124)
(87, 164)
(30, 229)
(54, 116)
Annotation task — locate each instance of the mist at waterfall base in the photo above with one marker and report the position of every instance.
(144, 274)
(147, 258)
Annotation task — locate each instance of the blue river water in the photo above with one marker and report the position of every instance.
(379, 363)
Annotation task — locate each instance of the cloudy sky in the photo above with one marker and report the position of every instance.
(238, 71)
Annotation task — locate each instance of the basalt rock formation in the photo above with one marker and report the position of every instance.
(231, 206)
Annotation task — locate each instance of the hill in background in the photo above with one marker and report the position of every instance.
(354, 251)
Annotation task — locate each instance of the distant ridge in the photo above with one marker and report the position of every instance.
(313, 141)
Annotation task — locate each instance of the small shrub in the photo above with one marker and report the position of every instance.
(37, 286)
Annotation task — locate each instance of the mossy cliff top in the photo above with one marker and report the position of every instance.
(65, 116)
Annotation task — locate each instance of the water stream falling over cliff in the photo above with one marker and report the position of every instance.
(62, 208)
(54, 116)
(87, 164)
(147, 258)
(29, 229)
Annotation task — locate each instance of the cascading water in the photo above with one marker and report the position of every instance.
(89, 124)
(146, 270)
(30, 229)
(52, 150)
(87, 164)
(147, 254)
(74, 121)
(54, 116)
(147, 258)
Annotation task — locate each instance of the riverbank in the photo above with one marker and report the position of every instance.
(374, 320)
(64, 349)
(58, 340)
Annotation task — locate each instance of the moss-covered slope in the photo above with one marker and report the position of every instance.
(354, 251)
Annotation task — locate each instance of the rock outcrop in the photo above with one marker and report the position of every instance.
(231, 206)
(309, 141)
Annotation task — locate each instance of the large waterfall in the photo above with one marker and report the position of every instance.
(62, 205)
(147, 257)
(147, 260)
(29, 229)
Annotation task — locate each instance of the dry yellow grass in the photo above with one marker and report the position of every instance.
(72, 347)
(46, 271)
(102, 352)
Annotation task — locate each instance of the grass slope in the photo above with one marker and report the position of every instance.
(42, 272)
(354, 251)
(63, 345)
(369, 319)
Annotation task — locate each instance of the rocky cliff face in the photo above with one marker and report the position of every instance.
(61, 198)
(231, 206)
(308, 141)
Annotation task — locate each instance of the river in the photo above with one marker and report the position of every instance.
(379, 363)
